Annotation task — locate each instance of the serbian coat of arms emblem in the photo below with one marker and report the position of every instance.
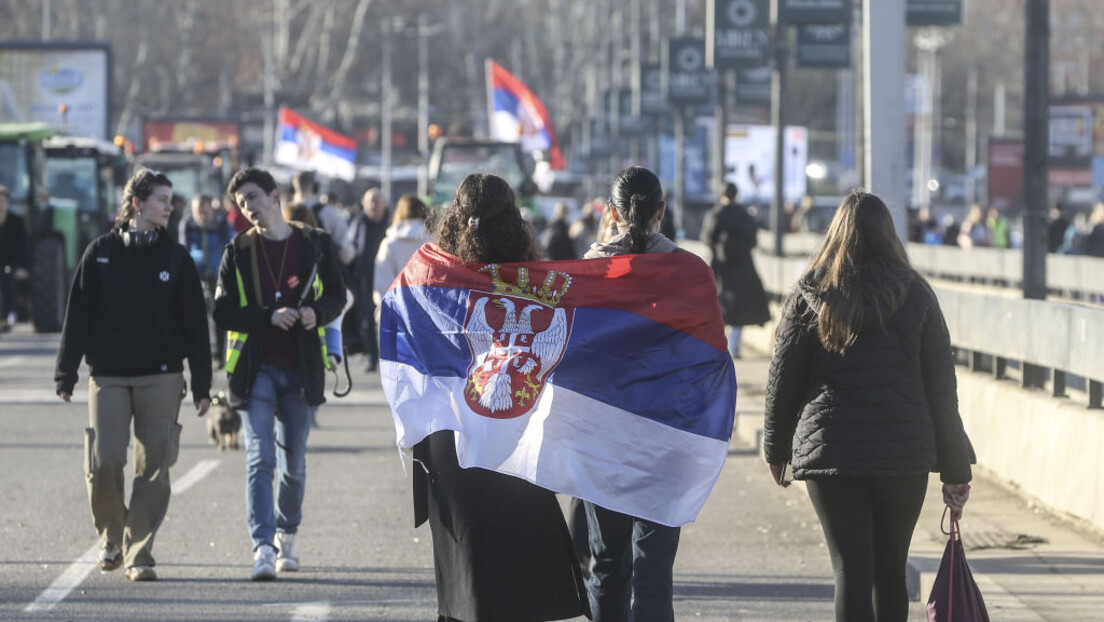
(518, 335)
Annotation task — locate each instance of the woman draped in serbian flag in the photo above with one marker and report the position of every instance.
(604, 379)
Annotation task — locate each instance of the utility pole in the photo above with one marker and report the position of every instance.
(778, 120)
(385, 116)
(971, 134)
(884, 106)
(680, 131)
(423, 102)
(1036, 139)
(46, 20)
(720, 120)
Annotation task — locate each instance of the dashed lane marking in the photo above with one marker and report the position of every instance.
(79, 570)
(311, 612)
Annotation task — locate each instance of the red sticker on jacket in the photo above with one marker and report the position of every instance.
(293, 281)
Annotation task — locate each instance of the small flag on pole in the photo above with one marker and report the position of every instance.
(307, 146)
(517, 115)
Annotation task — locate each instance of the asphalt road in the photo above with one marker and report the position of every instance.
(756, 552)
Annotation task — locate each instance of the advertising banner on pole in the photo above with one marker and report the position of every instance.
(824, 46)
(933, 12)
(816, 11)
(1005, 165)
(688, 82)
(753, 86)
(653, 102)
(737, 33)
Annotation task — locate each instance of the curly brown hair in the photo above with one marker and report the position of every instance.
(484, 225)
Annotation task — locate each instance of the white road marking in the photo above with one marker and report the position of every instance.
(191, 478)
(311, 612)
(12, 361)
(79, 570)
(73, 576)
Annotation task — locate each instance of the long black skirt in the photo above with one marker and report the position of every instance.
(501, 549)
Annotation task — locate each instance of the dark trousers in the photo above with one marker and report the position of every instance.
(7, 294)
(366, 314)
(868, 524)
(632, 561)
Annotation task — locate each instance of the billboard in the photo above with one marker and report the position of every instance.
(749, 161)
(37, 78)
(737, 33)
(189, 134)
(1005, 176)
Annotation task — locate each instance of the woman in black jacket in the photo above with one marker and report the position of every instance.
(135, 311)
(862, 401)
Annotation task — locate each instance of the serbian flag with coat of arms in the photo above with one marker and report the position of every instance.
(518, 115)
(604, 379)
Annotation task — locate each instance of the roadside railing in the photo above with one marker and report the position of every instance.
(993, 328)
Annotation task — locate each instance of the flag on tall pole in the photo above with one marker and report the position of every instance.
(517, 115)
(303, 144)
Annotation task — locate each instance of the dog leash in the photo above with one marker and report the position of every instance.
(337, 377)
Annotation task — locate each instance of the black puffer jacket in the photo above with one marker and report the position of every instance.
(888, 406)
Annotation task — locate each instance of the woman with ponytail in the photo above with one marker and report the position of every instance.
(501, 549)
(135, 312)
(633, 559)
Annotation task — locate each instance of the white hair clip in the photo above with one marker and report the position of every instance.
(473, 222)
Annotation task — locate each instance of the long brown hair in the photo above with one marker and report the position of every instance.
(862, 269)
(484, 225)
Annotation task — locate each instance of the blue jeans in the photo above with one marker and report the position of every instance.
(277, 422)
(734, 341)
(632, 560)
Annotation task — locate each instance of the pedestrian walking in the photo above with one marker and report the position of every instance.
(501, 550)
(14, 259)
(205, 233)
(279, 284)
(731, 233)
(631, 572)
(135, 311)
(406, 235)
(366, 233)
(861, 403)
(556, 237)
(331, 219)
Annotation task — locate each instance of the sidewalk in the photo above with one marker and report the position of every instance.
(1029, 564)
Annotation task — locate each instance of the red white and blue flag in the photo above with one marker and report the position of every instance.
(604, 379)
(305, 145)
(517, 115)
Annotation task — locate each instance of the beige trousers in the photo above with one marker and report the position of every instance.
(154, 403)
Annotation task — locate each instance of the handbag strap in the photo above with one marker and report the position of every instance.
(955, 533)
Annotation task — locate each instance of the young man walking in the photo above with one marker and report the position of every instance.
(279, 284)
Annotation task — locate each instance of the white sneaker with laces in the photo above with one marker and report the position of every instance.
(264, 563)
(287, 559)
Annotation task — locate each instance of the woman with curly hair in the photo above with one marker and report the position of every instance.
(501, 549)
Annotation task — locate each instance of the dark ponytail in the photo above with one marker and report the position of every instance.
(637, 196)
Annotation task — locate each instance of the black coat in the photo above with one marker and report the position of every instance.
(501, 549)
(135, 312)
(255, 319)
(731, 233)
(888, 406)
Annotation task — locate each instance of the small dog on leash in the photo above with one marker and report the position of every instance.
(223, 423)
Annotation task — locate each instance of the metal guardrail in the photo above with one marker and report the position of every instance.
(1062, 337)
(1079, 275)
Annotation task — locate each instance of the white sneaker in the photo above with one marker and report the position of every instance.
(264, 563)
(287, 559)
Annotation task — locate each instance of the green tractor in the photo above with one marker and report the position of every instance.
(64, 188)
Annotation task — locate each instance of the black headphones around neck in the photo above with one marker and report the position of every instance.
(140, 239)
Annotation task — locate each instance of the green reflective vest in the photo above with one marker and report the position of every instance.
(235, 340)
